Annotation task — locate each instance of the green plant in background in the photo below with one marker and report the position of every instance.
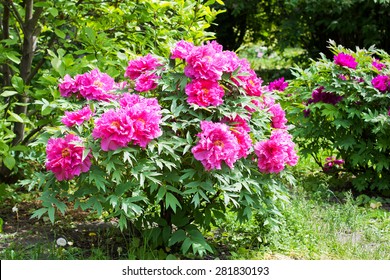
(169, 149)
(341, 109)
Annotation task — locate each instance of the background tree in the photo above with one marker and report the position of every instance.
(304, 23)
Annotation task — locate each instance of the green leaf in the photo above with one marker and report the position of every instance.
(39, 213)
(13, 58)
(53, 11)
(15, 117)
(51, 213)
(177, 236)
(9, 162)
(60, 33)
(171, 201)
(17, 83)
(8, 93)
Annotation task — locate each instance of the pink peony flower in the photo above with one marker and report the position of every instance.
(115, 128)
(78, 117)
(278, 84)
(378, 65)
(130, 100)
(141, 65)
(346, 60)
(95, 85)
(181, 49)
(146, 82)
(217, 144)
(278, 116)
(204, 93)
(243, 139)
(205, 62)
(275, 153)
(146, 123)
(65, 157)
(381, 83)
(67, 86)
(231, 61)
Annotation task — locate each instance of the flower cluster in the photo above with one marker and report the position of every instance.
(141, 70)
(123, 119)
(378, 65)
(275, 153)
(205, 65)
(346, 60)
(136, 121)
(228, 140)
(65, 157)
(93, 85)
(332, 163)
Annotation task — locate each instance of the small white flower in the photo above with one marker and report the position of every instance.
(15, 209)
(61, 242)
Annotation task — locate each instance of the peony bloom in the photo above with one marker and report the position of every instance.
(145, 121)
(278, 84)
(243, 139)
(319, 95)
(381, 83)
(114, 128)
(378, 65)
(67, 86)
(146, 82)
(332, 163)
(181, 49)
(204, 93)
(275, 153)
(95, 85)
(141, 65)
(78, 117)
(205, 62)
(278, 116)
(217, 144)
(346, 60)
(65, 157)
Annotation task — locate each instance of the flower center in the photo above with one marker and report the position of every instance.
(115, 124)
(218, 143)
(98, 83)
(65, 152)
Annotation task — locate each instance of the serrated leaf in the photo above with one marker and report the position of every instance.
(39, 213)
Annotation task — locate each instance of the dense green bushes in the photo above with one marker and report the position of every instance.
(341, 109)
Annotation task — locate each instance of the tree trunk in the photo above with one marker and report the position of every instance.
(31, 31)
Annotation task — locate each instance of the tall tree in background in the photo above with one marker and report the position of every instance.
(304, 23)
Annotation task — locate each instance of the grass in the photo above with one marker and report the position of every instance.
(318, 224)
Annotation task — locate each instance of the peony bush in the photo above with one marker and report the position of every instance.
(172, 148)
(341, 112)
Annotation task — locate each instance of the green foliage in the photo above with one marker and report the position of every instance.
(356, 128)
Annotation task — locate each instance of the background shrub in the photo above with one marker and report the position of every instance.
(340, 107)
